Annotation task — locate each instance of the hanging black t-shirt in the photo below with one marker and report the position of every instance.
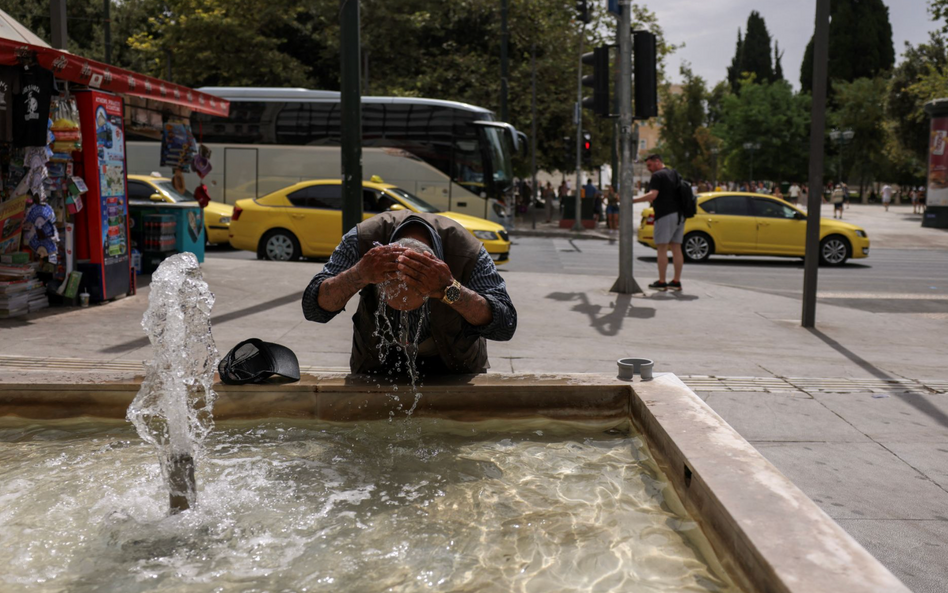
(666, 182)
(31, 107)
(7, 76)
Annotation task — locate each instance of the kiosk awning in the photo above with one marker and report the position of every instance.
(101, 76)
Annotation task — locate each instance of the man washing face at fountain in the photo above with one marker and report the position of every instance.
(428, 289)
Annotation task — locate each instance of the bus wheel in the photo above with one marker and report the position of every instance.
(280, 245)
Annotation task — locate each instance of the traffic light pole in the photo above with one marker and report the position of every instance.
(578, 215)
(626, 283)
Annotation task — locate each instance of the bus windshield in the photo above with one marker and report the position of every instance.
(500, 157)
(412, 200)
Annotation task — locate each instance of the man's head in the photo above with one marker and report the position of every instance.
(654, 163)
(395, 293)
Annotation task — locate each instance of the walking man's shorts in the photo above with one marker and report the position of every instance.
(669, 230)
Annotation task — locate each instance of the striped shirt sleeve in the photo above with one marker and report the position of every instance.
(487, 282)
(343, 257)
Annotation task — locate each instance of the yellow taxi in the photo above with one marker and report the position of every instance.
(305, 220)
(150, 188)
(737, 223)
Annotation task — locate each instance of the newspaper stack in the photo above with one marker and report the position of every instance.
(20, 290)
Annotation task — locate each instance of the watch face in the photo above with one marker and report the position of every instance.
(452, 293)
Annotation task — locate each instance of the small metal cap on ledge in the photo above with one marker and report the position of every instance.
(629, 367)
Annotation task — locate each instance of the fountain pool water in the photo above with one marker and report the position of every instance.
(422, 505)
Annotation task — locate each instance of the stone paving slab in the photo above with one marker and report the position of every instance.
(886, 488)
(775, 417)
(915, 551)
(906, 418)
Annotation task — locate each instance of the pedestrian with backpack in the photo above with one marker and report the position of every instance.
(673, 201)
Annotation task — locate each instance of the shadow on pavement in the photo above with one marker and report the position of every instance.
(610, 323)
(215, 320)
(919, 403)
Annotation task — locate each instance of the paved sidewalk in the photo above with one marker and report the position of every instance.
(855, 412)
(896, 229)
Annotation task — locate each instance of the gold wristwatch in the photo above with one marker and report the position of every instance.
(452, 293)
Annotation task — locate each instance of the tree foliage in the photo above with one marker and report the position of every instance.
(860, 42)
(861, 108)
(683, 115)
(775, 117)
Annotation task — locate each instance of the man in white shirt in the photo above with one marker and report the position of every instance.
(886, 196)
(794, 193)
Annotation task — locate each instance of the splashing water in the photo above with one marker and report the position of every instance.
(405, 340)
(172, 410)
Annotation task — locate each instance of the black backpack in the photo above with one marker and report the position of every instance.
(687, 201)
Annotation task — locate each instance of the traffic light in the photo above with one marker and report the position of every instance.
(598, 80)
(646, 88)
(582, 7)
(587, 149)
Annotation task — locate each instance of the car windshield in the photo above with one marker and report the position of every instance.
(412, 200)
(168, 189)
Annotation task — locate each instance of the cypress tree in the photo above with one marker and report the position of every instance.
(755, 57)
(734, 70)
(860, 42)
(778, 55)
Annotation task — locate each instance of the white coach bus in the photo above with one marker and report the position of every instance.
(453, 155)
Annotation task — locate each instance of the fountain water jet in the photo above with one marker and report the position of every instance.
(172, 410)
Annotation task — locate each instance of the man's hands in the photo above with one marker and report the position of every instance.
(379, 264)
(424, 273)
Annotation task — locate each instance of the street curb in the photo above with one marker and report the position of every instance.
(561, 234)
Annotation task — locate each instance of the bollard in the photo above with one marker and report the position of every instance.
(629, 367)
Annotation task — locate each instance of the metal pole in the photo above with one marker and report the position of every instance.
(351, 106)
(503, 60)
(57, 20)
(533, 131)
(625, 283)
(107, 10)
(815, 195)
(578, 215)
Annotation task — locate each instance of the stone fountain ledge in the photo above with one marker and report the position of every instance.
(768, 535)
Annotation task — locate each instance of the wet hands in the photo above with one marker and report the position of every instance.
(380, 264)
(424, 273)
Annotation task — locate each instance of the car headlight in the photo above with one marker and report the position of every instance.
(499, 210)
(861, 234)
(485, 235)
(224, 220)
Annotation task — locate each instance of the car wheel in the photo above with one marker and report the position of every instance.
(834, 250)
(697, 247)
(279, 245)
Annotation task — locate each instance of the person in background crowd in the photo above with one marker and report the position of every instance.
(777, 192)
(563, 193)
(612, 208)
(589, 192)
(794, 193)
(837, 198)
(547, 196)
